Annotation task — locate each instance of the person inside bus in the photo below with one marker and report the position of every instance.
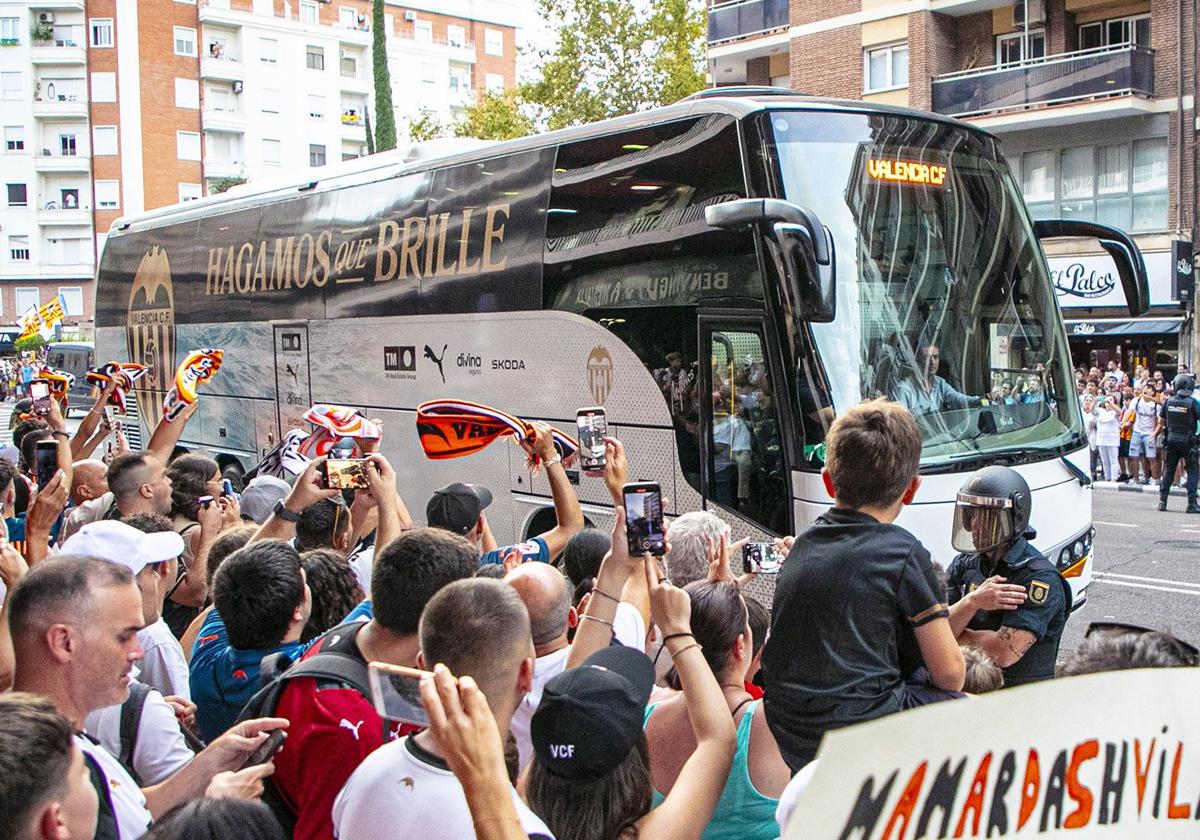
(929, 393)
(459, 507)
(854, 568)
(732, 442)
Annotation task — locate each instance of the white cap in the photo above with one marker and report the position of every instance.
(123, 544)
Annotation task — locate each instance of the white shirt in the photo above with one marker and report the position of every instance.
(163, 667)
(160, 749)
(1108, 427)
(129, 805)
(361, 562)
(401, 790)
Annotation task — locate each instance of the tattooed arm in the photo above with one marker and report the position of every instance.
(1005, 646)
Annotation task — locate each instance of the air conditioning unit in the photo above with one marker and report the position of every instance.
(1037, 13)
(238, 86)
(410, 16)
(45, 17)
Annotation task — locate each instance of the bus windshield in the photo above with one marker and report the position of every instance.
(943, 303)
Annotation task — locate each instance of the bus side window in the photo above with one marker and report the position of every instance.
(747, 471)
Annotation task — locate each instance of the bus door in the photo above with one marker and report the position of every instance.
(743, 465)
(293, 386)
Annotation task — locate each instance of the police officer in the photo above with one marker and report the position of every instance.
(1181, 413)
(1005, 598)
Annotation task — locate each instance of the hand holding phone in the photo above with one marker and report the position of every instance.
(39, 391)
(267, 749)
(46, 458)
(344, 474)
(761, 558)
(592, 426)
(396, 693)
(644, 518)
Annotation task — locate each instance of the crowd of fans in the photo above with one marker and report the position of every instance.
(159, 629)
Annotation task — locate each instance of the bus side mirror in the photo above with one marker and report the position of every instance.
(800, 246)
(1131, 268)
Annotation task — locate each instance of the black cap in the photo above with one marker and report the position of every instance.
(456, 507)
(590, 717)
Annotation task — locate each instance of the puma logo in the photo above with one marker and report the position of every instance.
(353, 727)
(294, 373)
(437, 360)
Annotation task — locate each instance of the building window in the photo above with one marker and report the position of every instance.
(1009, 47)
(1134, 29)
(314, 57)
(222, 147)
(885, 68)
(104, 87)
(67, 145)
(316, 107)
(270, 101)
(220, 97)
(347, 17)
(349, 65)
(187, 93)
(14, 138)
(10, 31)
(1149, 184)
(10, 85)
(423, 31)
(493, 42)
(72, 296)
(316, 154)
(309, 13)
(27, 297)
(102, 32)
(18, 251)
(271, 152)
(18, 195)
(187, 145)
(429, 73)
(456, 36)
(493, 84)
(268, 50)
(108, 195)
(185, 40)
(190, 192)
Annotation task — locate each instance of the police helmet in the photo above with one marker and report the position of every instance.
(991, 511)
(1184, 384)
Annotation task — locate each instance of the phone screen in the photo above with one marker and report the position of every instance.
(47, 461)
(346, 474)
(644, 518)
(396, 693)
(761, 557)
(593, 428)
(40, 392)
(267, 749)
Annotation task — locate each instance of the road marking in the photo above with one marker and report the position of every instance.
(1138, 582)
(1115, 524)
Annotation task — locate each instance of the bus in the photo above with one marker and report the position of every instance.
(724, 275)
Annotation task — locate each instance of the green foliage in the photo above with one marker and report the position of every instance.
(494, 118)
(385, 115)
(615, 57)
(367, 130)
(220, 185)
(426, 126)
(41, 32)
(29, 344)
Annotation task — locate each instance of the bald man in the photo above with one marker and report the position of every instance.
(89, 481)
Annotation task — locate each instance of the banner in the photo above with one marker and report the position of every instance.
(43, 319)
(1091, 281)
(1105, 755)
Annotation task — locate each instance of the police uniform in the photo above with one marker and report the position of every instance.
(1180, 415)
(1044, 612)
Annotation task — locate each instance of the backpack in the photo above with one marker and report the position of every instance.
(336, 660)
(131, 723)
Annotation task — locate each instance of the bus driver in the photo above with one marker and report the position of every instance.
(931, 394)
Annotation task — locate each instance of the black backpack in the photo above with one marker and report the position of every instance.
(131, 723)
(337, 662)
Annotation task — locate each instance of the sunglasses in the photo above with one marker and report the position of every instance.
(1191, 650)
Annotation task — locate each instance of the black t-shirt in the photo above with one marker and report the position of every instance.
(832, 657)
(1044, 612)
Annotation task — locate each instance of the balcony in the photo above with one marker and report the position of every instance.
(223, 169)
(59, 53)
(48, 163)
(63, 216)
(1124, 70)
(745, 18)
(355, 84)
(56, 6)
(63, 107)
(460, 51)
(225, 69)
(353, 128)
(219, 119)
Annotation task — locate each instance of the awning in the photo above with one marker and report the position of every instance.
(1140, 326)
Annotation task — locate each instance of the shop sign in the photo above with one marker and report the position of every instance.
(1093, 281)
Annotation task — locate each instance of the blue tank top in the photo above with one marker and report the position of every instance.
(742, 813)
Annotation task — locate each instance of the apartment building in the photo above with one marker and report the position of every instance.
(113, 107)
(46, 246)
(1093, 101)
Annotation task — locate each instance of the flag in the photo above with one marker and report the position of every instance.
(454, 428)
(30, 323)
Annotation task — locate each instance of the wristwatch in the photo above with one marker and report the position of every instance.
(285, 514)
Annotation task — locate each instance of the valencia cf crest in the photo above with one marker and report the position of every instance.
(150, 333)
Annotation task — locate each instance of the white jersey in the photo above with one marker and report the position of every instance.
(163, 666)
(129, 805)
(402, 790)
(160, 749)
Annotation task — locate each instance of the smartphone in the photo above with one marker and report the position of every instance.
(204, 501)
(396, 693)
(227, 488)
(593, 428)
(644, 518)
(761, 557)
(267, 749)
(344, 474)
(46, 461)
(39, 390)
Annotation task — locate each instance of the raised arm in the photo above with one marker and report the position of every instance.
(596, 624)
(166, 435)
(91, 422)
(306, 491)
(393, 515)
(568, 515)
(685, 813)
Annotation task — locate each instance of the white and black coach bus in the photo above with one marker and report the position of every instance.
(724, 275)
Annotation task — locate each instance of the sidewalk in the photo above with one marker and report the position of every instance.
(1136, 488)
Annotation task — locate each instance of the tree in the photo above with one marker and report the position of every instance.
(29, 344)
(367, 130)
(494, 117)
(426, 126)
(220, 185)
(615, 57)
(385, 116)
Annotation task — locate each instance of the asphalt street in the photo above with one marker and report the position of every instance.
(1147, 566)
